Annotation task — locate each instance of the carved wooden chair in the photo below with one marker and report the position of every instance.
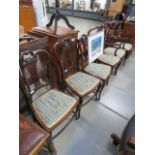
(78, 82)
(52, 106)
(100, 71)
(115, 36)
(112, 60)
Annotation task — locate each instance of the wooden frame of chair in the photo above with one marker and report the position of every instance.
(83, 61)
(64, 50)
(115, 34)
(116, 65)
(35, 67)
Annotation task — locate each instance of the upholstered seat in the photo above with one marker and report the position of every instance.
(109, 59)
(119, 52)
(82, 83)
(99, 70)
(51, 107)
(126, 46)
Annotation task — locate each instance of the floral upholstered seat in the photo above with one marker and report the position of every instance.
(119, 52)
(51, 107)
(99, 70)
(82, 83)
(109, 59)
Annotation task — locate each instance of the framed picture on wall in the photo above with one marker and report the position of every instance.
(95, 46)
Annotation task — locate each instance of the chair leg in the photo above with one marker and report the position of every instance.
(99, 91)
(50, 146)
(107, 81)
(78, 110)
(124, 60)
(116, 69)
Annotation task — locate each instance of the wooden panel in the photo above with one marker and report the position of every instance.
(27, 16)
(116, 7)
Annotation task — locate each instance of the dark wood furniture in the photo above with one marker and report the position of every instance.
(78, 82)
(57, 16)
(100, 71)
(109, 58)
(129, 29)
(61, 34)
(127, 140)
(31, 137)
(115, 35)
(49, 106)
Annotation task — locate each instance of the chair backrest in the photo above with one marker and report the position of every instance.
(95, 30)
(83, 51)
(35, 65)
(66, 55)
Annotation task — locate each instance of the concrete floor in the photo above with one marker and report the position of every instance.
(90, 135)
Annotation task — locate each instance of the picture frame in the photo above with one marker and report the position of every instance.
(95, 46)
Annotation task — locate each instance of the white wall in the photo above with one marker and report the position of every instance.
(40, 12)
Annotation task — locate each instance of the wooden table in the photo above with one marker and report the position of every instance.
(61, 34)
(31, 137)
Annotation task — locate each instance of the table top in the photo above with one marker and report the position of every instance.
(31, 136)
(61, 31)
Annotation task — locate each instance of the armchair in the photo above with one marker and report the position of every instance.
(115, 36)
(80, 83)
(51, 106)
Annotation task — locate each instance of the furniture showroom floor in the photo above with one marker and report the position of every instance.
(90, 135)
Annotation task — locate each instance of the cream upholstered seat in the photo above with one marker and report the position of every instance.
(126, 46)
(109, 59)
(113, 51)
(51, 107)
(99, 70)
(82, 83)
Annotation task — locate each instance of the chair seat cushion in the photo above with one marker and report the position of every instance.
(52, 106)
(99, 70)
(109, 59)
(126, 46)
(82, 83)
(111, 50)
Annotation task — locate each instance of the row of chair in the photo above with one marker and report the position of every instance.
(79, 78)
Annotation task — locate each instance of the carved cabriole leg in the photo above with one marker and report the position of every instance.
(66, 21)
(50, 145)
(51, 21)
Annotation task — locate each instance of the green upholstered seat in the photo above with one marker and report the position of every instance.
(109, 59)
(82, 83)
(52, 106)
(111, 50)
(126, 46)
(100, 70)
